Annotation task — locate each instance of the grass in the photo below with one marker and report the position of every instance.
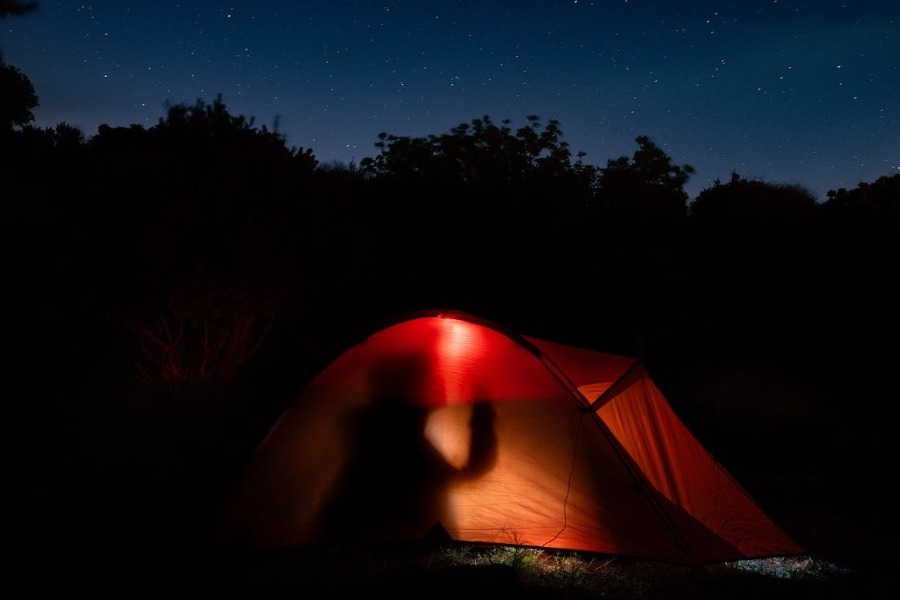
(459, 570)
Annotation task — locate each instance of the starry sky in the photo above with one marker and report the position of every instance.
(786, 91)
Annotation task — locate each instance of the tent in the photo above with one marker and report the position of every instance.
(446, 426)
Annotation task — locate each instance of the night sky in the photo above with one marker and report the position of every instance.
(787, 91)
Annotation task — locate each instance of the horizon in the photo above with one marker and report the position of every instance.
(781, 92)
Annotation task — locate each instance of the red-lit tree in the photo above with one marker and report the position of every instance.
(204, 240)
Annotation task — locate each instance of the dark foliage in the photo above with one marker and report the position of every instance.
(16, 8)
(17, 99)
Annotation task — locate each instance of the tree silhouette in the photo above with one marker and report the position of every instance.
(640, 208)
(203, 239)
(483, 200)
(751, 232)
(880, 198)
(859, 252)
(16, 8)
(647, 187)
(17, 95)
(17, 99)
(634, 232)
(742, 200)
(480, 153)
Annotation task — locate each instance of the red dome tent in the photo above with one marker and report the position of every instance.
(446, 425)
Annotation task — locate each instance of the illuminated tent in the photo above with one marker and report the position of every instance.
(444, 426)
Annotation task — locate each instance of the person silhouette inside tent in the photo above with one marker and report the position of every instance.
(395, 482)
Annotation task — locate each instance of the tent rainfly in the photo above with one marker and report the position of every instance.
(445, 426)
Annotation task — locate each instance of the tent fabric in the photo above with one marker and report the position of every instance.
(447, 423)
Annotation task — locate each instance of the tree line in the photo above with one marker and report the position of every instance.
(197, 238)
